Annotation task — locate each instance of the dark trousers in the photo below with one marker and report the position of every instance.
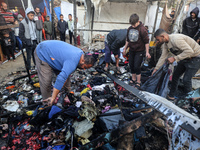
(48, 36)
(189, 67)
(12, 34)
(135, 61)
(62, 36)
(9, 51)
(71, 36)
(30, 52)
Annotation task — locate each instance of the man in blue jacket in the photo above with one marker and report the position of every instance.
(63, 59)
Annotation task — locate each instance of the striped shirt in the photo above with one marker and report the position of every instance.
(7, 15)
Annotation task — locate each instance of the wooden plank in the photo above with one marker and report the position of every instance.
(1, 54)
(8, 26)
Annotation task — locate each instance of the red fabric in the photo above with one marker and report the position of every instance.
(78, 40)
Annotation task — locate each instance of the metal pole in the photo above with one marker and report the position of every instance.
(92, 25)
(155, 20)
(52, 18)
(75, 24)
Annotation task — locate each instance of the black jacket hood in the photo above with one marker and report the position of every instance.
(196, 11)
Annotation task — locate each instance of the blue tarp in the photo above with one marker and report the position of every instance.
(57, 11)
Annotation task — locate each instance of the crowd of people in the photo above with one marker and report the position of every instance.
(31, 30)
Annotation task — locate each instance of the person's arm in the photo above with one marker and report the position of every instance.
(67, 69)
(66, 25)
(21, 33)
(58, 26)
(147, 51)
(184, 28)
(126, 45)
(162, 58)
(187, 50)
(145, 38)
(45, 26)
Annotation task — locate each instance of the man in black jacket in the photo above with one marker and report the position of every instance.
(113, 42)
(62, 27)
(191, 24)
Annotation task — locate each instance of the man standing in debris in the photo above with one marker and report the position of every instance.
(39, 24)
(191, 24)
(28, 35)
(113, 42)
(185, 51)
(63, 59)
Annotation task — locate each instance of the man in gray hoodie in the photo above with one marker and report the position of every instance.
(39, 24)
(27, 33)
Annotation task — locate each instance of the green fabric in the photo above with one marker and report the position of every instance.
(48, 27)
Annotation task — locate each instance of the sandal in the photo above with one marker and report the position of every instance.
(132, 82)
(172, 99)
(137, 85)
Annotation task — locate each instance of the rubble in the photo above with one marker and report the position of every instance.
(101, 112)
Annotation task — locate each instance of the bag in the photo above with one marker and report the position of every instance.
(158, 83)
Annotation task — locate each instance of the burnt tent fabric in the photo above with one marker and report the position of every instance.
(166, 20)
(158, 83)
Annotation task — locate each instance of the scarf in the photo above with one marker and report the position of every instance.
(32, 30)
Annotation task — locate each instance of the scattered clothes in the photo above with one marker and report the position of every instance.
(95, 106)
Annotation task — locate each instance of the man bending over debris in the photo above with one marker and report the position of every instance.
(186, 51)
(113, 42)
(63, 59)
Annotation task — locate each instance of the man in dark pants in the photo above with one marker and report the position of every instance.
(113, 42)
(62, 27)
(71, 28)
(27, 33)
(191, 24)
(63, 59)
(186, 51)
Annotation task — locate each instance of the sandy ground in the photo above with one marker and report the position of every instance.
(11, 66)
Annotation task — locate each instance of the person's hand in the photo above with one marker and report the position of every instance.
(198, 40)
(171, 60)
(124, 52)
(148, 56)
(153, 72)
(49, 101)
(8, 40)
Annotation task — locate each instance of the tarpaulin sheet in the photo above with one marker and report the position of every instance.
(57, 11)
(166, 20)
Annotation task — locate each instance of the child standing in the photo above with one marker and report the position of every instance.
(16, 29)
(8, 44)
(138, 42)
(48, 28)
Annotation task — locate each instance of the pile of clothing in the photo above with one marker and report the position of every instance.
(95, 106)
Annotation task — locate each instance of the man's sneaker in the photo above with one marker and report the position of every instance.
(105, 69)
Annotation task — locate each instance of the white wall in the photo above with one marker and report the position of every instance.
(118, 12)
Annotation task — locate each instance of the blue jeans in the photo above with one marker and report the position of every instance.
(39, 36)
(108, 53)
(19, 42)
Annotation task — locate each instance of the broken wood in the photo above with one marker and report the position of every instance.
(8, 26)
(123, 130)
